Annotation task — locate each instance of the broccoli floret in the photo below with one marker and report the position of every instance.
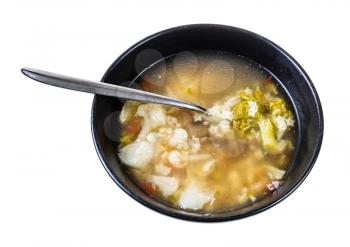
(278, 107)
(270, 144)
(256, 112)
(241, 119)
(256, 95)
(280, 116)
(247, 111)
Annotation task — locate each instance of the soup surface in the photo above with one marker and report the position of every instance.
(232, 155)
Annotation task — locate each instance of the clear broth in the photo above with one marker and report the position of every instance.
(242, 169)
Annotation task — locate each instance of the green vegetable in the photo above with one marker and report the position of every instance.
(189, 90)
(275, 173)
(278, 107)
(280, 116)
(264, 118)
(242, 121)
(125, 139)
(270, 144)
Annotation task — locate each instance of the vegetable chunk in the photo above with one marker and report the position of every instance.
(193, 198)
(167, 185)
(137, 154)
(228, 157)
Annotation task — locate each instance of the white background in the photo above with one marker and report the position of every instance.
(53, 189)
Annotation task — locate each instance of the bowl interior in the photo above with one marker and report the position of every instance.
(210, 37)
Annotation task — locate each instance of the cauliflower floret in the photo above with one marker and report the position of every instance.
(220, 113)
(224, 126)
(161, 169)
(175, 158)
(198, 117)
(167, 185)
(223, 111)
(173, 121)
(220, 129)
(128, 111)
(193, 198)
(195, 144)
(178, 159)
(167, 131)
(154, 116)
(137, 154)
(152, 137)
(179, 139)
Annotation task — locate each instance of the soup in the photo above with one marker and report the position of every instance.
(234, 154)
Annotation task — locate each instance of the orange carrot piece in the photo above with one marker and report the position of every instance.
(146, 85)
(133, 127)
(149, 188)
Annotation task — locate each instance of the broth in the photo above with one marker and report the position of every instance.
(237, 152)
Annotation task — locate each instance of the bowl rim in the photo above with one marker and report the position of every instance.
(206, 218)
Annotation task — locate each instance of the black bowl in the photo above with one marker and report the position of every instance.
(280, 64)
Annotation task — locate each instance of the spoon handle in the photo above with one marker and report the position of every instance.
(105, 89)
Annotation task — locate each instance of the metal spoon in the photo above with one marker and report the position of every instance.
(106, 89)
